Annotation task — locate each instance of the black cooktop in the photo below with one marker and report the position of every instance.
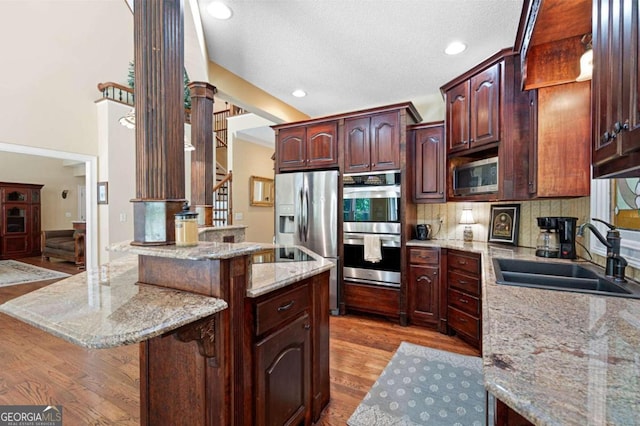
(280, 254)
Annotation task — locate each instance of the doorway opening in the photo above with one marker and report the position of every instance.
(90, 199)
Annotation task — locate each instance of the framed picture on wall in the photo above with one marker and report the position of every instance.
(103, 193)
(504, 224)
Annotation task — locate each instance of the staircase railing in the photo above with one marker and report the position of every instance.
(223, 208)
(223, 201)
(116, 92)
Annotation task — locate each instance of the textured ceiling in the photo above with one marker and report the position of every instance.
(355, 54)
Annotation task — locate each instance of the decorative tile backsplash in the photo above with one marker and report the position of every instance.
(450, 214)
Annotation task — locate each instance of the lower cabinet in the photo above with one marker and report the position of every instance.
(289, 329)
(505, 416)
(283, 375)
(424, 287)
(372, 299)
(464, 311)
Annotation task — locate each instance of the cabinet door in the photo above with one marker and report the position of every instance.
(385, 140)
(616, 76)
(630, 119)
(458, 117)
(357, 155)
(429, 164)
(291, 148)
(283, 375)
(485, 106)
(322, 145)
(423, 294)
(607, 78)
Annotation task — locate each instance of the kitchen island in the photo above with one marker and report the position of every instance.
(556, 357)
(201, 326)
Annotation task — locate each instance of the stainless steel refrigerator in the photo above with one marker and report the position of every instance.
(307, 215)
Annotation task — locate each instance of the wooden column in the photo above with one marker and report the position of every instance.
(202, 165)
(159, 105)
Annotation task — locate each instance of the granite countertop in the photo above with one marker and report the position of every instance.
(558, 358)
(267, 277)
(203, 251)
(106, 308)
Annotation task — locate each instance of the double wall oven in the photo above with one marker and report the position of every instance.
(371, 206)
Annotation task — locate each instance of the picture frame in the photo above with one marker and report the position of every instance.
(504, 224)
(103, 193)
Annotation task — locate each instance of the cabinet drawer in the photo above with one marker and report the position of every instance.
(464, 282)
(464, 323)
(468, 263)
(279, 309)
(464, 302)
(424, 256)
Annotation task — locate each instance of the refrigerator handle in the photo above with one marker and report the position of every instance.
(306, 214)
(299, 217)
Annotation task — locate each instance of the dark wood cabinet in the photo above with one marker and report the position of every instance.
(283, 375)
(464, 313)
(506, 416)
(616, 90)
(373, 299)
(311, 146)
(473, 111)
(424, 287)
(428, 165)
(372, 143)
(20, 215)
(488, 115)
(291, 352)
(555, 110)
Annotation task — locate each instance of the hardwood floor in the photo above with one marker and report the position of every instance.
(101, 386)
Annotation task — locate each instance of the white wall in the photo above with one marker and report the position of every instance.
(54, 54)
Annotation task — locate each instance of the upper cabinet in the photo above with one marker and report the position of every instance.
(550, 47)
(616, 93)
(371, 143)
(428, 162)
(473, 111)
(310, 146)
(488, 115)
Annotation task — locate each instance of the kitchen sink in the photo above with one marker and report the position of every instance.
(558, 276)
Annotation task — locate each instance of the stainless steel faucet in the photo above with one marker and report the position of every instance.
(616, 264)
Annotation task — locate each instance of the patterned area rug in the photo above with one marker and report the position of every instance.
(424, 386)
(13, 272)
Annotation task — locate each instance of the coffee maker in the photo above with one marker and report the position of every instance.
(557, 237)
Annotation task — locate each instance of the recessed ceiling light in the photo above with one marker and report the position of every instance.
(299, 93)
(455, 47)
(219, 10)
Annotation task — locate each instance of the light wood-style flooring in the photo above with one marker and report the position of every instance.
(101, 386)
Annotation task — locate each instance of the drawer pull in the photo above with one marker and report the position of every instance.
(463, 300)
(462, 320)
(462, 282)
(462, 262)
(286, 306)
(424, 278)
(307, 326)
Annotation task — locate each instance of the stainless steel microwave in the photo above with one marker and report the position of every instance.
(476, 177)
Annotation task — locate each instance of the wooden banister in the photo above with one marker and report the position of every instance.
(227, 178)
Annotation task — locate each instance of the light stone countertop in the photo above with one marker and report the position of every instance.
(203, 251)
(556, 357)
(267, 277)
(106, 308)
